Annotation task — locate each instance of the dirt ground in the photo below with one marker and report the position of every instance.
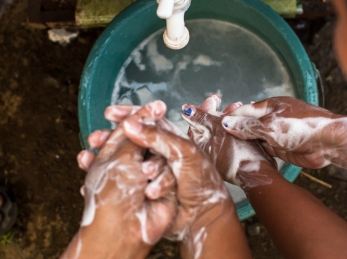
(39, 136)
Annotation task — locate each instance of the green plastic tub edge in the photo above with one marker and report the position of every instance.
(139, 20)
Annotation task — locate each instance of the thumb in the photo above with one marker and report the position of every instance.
(244, 127)
(211, 104)
(160, 216)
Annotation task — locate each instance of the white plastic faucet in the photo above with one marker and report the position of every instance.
(176, 35)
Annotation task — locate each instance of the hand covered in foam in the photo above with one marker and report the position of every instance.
(236, 160)
(152, 168)
(201, 193)
(118, 220)
(295, 131)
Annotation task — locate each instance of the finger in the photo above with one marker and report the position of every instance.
(162, 185)
(203, 125)
(117, 113)
(161, 215)
(162, 142)
(243, 127)
(84, 159)
(153, 167)
(83, 190)
(255, 110)
(196, 117)
(269, 149)
(98, 138)
(128, 153)
(212, 103)
(231, 107)
(112, 142)
(147, 114)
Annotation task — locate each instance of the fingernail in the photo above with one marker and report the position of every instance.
(188, 111)
(83, 160)
(104, 135)
(160, 108)
(98, 137)
(152, 192)
(225, 122)
(148, 168)
(132, 126)
(82, 190)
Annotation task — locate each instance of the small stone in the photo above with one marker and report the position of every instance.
(254, 230)
(13, 84)
(82, 40)
(51, 82)
(62, 36)
(337, 173)
(321, 189)
(25, 62)
(73, 88)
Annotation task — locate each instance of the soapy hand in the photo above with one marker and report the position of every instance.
(294, 131)
(152, 168)
(198, 184)
(236, 160)
(117, 213)
(201, 193)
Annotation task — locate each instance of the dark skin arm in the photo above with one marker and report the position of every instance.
(301, 226)
(206, 225)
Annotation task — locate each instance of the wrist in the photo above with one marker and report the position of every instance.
(254, 174)
(334, 138)
(107, 241)
(107, 245)
(193, 243)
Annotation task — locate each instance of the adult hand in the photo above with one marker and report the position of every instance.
(238, 161)
(205, 206)
(152, 168)
(118, 221)
(294, 131)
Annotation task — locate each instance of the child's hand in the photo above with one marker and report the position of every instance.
(236, 160)
(296, 132)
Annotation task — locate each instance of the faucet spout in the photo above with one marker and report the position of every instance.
(176, 35)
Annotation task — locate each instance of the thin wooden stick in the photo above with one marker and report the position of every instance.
(316, 180)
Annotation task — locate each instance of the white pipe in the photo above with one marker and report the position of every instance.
(176, 35)
(165, 9)
(175, 26)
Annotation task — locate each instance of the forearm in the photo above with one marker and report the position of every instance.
(301, 226)
(334, 140)
(106, 241)
(221, 237)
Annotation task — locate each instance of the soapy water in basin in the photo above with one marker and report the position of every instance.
(220, 58)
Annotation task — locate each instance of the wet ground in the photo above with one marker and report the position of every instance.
(39, 136)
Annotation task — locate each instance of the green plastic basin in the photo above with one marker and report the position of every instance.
(139, 21)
